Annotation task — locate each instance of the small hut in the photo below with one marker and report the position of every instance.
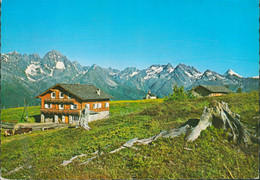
(149, 95)
(210, 90)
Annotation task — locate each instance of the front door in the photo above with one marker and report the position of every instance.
(66, 120)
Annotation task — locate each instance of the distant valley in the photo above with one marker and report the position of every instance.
(25, 76)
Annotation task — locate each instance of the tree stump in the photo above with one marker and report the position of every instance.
(83, 119)
(220, 116)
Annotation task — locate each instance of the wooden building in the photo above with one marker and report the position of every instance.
(149, 95)
(62, 103)
(210, 90)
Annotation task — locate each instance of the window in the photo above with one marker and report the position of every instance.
(87, 106)
(99, 105)
(73, 106)
(47, 106)
(107, 105)
(94, 106)
(75, 118)
(61, 106)
(61, 95)
(53, 95)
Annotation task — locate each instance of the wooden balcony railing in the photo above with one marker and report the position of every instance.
(60, 100)
(60, 111)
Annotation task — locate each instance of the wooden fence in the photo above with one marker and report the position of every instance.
(7, 125)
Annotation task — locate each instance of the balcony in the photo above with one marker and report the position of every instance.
(60, 100)
(61, 111)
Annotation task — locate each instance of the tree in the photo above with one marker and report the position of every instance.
(239, 90)
(179, 94)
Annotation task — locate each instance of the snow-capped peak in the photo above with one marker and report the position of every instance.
(232, 73)
(152, 71)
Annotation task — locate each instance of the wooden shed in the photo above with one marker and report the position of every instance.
(210, 90)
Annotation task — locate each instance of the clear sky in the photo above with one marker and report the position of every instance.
(207, 34)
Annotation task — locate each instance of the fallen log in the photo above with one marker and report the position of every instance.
(23, 130)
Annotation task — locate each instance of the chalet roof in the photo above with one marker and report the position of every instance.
(216, 89)
(82, 91)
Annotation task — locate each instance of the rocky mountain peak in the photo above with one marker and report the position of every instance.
(181, 66)
(53, 55)
(34, 56)
(14, 53)
(94, 67)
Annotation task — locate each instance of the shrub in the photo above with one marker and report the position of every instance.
(179, 94)
(239, 90)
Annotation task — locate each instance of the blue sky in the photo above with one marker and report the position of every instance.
(207, 34)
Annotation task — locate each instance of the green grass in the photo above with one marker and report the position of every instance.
(14, 115)
(117, 108)
(212, 156)
(120, 108)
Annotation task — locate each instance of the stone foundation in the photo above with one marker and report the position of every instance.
(98, 116)
(92, 117)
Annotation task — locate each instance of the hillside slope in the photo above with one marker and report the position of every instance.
(41, 154)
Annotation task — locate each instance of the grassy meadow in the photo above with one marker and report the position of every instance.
(13, 115)
(40, 153)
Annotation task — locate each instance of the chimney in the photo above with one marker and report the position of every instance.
(98, 92)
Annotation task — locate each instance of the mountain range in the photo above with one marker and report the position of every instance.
(25, 76)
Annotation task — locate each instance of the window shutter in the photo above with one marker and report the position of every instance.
(99, 105)
(46, 105)
(71, 106)
(50, 105)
